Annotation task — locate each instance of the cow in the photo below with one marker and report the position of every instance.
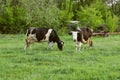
(43, 34)
(82, 36)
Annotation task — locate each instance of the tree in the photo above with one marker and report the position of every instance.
(90, 15)
(17, 15)
(96, 14)
(42, 13)
(12, 16)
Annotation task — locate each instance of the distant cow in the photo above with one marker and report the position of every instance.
(43, 35)
(82, 36)
(101, 30)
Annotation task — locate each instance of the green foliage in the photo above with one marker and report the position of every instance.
(42, 13)
(96, 14)
(111, 21)
(18, 15)
(66, 12)
(46, 14)
(90, 16)
(12, 19)
(8, 16)
(115, 8)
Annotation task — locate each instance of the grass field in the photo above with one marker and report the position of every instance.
(101, 62)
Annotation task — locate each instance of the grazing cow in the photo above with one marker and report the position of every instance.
(43, 35)
(82, 36)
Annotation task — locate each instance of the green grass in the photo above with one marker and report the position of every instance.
(101, 62)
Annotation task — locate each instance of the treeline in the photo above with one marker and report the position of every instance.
(17, 15)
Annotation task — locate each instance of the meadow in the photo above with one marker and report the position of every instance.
(101, 62)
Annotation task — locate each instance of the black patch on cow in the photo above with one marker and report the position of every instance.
(40, 33)
(54, 38)
(79, 36)
(60, 45)
(33, 31)
(86, 33)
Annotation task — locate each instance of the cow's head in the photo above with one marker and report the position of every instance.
(60, 45)
(31, 38)
(74, 35)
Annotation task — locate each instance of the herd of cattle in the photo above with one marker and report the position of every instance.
(80, 36)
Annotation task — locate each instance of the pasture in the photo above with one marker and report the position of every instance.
(101, 62)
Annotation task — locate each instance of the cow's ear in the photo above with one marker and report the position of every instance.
(87, 28)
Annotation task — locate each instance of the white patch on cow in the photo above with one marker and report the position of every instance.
(47, 35)
(74, 35)
(31, 30)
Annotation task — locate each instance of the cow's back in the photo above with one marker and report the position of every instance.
(86, 33)
(40, 33)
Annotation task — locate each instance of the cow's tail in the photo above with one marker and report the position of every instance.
(83, 40)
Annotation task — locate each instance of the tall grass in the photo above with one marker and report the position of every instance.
(101, 62)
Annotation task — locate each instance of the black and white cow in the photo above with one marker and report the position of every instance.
(43, 35)
(82, 36)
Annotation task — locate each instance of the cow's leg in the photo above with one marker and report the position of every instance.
(85, 45)
(28, 42)
(50, 45)
(26, 46)
(78, 46)
(90, 42)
